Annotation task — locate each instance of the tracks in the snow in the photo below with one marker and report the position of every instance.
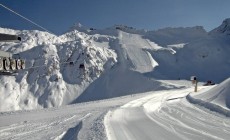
(165, 115)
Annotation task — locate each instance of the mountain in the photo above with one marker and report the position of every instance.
(88, 64)
(224, 28)
(168, 36)
(58, 69)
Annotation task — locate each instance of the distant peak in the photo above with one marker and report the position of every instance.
(78, 26)
(195, 28)
(227, 21)
(224, 28)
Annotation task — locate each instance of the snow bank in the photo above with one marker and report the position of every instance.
(216, 99)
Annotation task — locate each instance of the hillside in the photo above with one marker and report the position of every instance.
(84, 64)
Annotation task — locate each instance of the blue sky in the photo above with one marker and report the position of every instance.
(59, 15)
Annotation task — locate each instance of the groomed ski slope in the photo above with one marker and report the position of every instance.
(165, 115)
(80, 121)
(134, 46)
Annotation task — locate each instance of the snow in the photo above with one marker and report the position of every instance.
(49, 80)
(134, 46)
(165, 115)
(216, 99)
(78, 121)
(117, 83)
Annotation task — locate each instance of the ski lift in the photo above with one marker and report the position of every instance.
(209, 83)
(7, 37)
(82, 66)
(9, 64)
(71, 63)
(193, 79)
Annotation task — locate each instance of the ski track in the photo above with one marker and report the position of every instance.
(37, 130)
(165, 115)
(78, 121)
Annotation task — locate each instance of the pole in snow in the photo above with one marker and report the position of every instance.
(194, 81)
(195, 90)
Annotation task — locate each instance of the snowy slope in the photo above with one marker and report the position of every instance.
(165, 115)
(179, 35)
(207, 58)
(89, 64)
(162, 114)
(79, 121)
(169, 115)
(125, 77)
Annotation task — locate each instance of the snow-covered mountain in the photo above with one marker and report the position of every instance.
(89, 64)
(224, 28)
(58, 69)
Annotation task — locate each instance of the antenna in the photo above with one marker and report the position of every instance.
(7, 8)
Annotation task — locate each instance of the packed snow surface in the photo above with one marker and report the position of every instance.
(165, 114)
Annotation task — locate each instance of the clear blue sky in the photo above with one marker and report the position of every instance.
(59, 15)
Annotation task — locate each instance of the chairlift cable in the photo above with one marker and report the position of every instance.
(25, 18)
